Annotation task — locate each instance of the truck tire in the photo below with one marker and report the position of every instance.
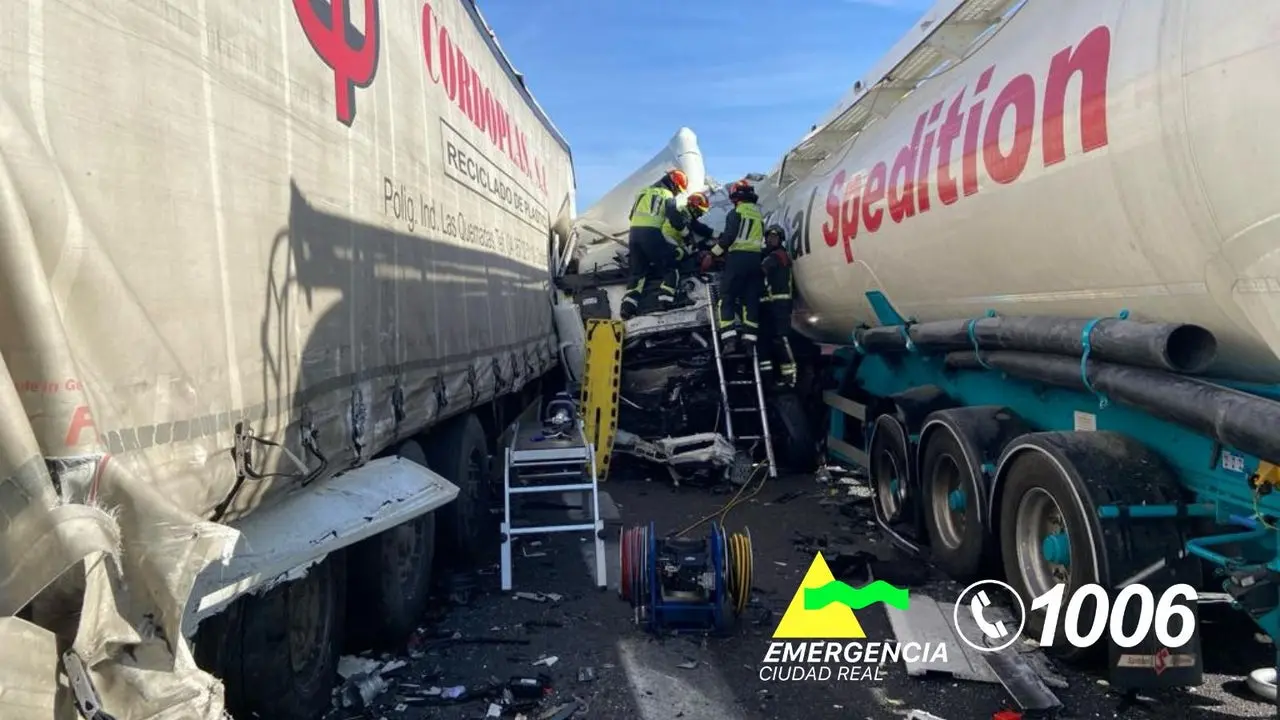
(958, 542)
(956, 446)
(277, 653)
(390, 575)
(792, 438)
(889, 470)
(460, 454)
(1071, 474)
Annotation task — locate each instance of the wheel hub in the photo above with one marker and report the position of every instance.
(889, 487)
(1043, 544)
(1056, 549)
(948, 500)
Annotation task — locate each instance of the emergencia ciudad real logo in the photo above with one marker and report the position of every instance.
(819, 636)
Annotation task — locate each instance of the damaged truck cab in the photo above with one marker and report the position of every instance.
(673, 396)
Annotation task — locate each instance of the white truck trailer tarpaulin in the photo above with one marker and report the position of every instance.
(241, 252)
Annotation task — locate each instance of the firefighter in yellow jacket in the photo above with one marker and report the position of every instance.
(684, 242)
(652, 256)
(739, 247)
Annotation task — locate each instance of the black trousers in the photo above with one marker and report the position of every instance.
(741, 284)
(653, 261)
(775, 326)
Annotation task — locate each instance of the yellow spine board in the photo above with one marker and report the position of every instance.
(600, 388)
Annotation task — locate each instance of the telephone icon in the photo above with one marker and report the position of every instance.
(994, 630)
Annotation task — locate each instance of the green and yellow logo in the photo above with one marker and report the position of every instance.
(820, 638)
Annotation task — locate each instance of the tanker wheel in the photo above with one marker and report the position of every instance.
(278, 652)
(460, 454)
(390, 575)
(792, 436)
(1045, 539)
(958, 543)
(890, 464)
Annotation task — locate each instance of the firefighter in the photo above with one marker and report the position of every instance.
(775, 305)
(651, 254)
(739, 247)
(685, 242)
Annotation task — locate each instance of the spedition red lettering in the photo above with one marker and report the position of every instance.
(448, 66)
(902, 187)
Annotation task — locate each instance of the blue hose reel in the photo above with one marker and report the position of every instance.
(685, 584)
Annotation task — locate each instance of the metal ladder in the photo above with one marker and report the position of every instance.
(741, 392)
(540, 463)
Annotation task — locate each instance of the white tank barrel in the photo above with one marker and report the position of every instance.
(1084, 158)
(608, 217)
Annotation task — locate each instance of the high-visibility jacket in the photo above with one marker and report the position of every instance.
(675, 235)
(743, 230)
(650, 208)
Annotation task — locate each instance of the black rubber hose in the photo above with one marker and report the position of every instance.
(1176, 347)
(1236, 419)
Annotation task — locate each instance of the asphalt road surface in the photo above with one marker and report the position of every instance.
(591, 656)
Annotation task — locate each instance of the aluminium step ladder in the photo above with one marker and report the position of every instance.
(746, 417)
(540, 462)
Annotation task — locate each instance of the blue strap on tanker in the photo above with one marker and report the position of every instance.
(1085, 334)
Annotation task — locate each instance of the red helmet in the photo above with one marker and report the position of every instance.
(699, 201)
(738, 189)
(678, 180)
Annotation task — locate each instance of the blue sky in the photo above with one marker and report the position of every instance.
(749, 77)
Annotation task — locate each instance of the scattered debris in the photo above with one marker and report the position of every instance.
(546, 661)
(349, 665)
(928, 621)
(586, 674)
(688, 664)
(561, 712)
(862, 567)
(537, 597)
(360, 690)
(922, 715)
(495, 711)
(855, 489)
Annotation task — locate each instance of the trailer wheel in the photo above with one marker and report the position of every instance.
(796, 448)
(460, 453)
(951, 495)
(279, 654)
(1049, 487)
(890, 469)
(955, 446)
(390, 575)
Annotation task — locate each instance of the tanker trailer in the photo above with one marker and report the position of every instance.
(1042, 238)
(273, 288)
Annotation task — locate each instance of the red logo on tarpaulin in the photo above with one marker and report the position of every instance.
(1160, 662)
(352, 57)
